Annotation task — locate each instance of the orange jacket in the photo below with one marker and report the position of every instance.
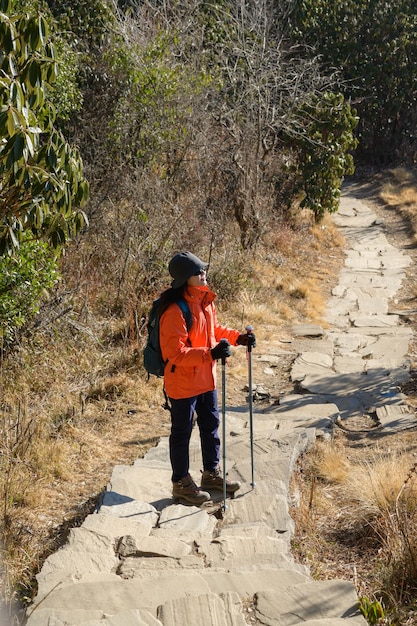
(191, 370)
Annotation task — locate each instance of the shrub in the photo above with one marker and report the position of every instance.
(25, 278)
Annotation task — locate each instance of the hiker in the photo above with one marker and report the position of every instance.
(190, 375)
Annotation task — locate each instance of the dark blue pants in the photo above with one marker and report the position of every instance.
(182, 419)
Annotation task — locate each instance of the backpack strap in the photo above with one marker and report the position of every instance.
(186, 313)
(185, 310)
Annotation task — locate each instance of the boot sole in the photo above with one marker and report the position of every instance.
(187, 501)
(220, 489)
(184, 500)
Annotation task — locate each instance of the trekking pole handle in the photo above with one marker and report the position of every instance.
(249, 330)
(223, 357)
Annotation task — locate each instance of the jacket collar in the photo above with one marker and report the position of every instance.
(201, 295)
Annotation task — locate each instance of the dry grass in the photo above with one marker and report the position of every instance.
(288, 280)
(357, 520)
(400, 192)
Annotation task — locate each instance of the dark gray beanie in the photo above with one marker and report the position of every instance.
(184, 265)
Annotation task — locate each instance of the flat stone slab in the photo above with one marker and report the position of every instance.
(300, 409)
(272, 510)
(78, 561)
(112, 595)
(338, 312)
(396, 417)
(388, 350)
(347, 343)
(322, 345)
(224, 609)
(370, 278)
(312, 601)
(314, 415)
(273, 456)
(184, 522)
(374, 383)
(257, 529)
(156, 461)
(120, 505)
(307, 330)
(157, 453)
(379, 321)
(275, 357)
(311, 363)
(345, 364)
(124, 618)
(300, 401)
(372, 305)
(371, 236)
(378, 246)
(236, 552)
(370, 261)
(129, 545)
(106, 595)
(142, 484)
(81, 537)
(353, 212)
(146, 568)
(247, 581)
(75, 618)
(113, 527)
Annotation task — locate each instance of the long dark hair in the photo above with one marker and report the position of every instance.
(169, 296)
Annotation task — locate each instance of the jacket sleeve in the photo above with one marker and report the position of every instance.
(173, 339)
(221, 332)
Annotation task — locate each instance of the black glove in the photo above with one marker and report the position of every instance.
(221, 351)
(246, 339)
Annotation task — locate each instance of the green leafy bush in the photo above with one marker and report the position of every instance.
(24, 280)
(42, 179)
(374, 45)
(323, 144)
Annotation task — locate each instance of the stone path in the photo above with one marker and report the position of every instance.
(142, 560)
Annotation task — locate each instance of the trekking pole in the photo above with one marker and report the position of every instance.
(224, 426)
(249, 330)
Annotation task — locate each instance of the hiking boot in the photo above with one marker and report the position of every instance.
(214, 480)
(186, 489)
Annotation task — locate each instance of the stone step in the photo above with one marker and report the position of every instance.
(76, 617)
(147, 589)
(224, 609)
(316, 600)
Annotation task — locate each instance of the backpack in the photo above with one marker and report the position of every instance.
(152, 355)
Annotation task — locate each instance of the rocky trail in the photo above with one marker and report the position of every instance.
(143, 560)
